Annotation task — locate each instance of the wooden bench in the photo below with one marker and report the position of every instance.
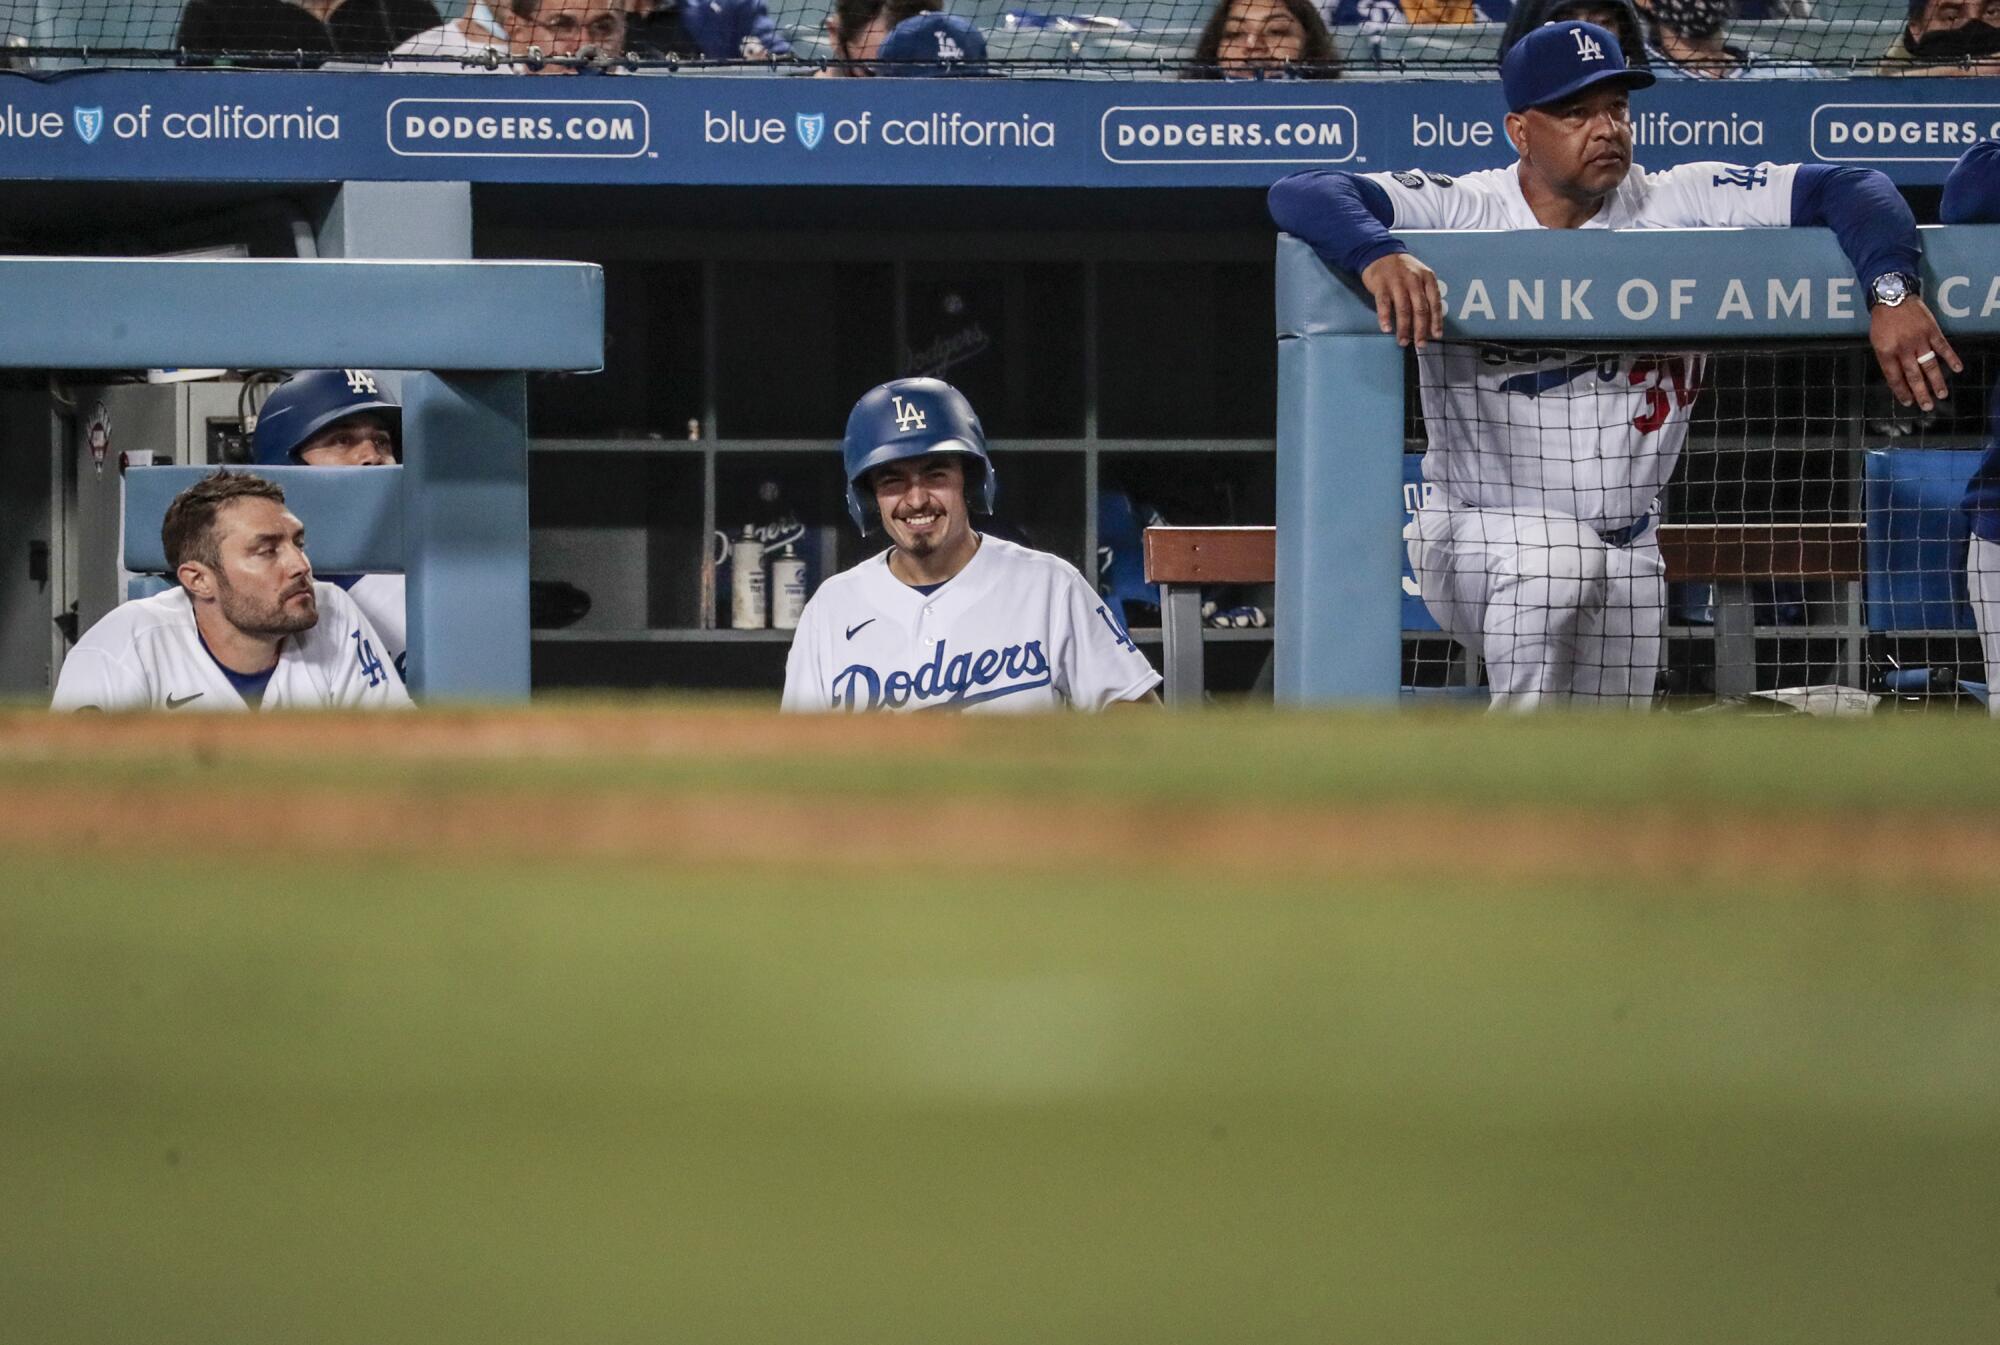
(1731, 556)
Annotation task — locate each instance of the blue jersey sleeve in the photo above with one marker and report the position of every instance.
(1345, 218)
(1866, 213)
(1972, 188)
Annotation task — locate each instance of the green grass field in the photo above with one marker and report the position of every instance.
(596, 1024)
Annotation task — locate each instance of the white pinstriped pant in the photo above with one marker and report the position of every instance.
(1982, 581)
(1556, 613)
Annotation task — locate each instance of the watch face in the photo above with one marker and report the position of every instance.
(1890, 289)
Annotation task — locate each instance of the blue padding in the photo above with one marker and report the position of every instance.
(1645, 284)
(353, 515)
(145, 586)
(120, 313)
(1916, 538)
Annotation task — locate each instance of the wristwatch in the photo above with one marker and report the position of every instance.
(1892, 287)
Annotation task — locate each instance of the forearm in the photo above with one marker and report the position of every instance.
(1866, 213)
(1344, 218)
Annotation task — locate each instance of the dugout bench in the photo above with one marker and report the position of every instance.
(1730, 556)
(460, 500)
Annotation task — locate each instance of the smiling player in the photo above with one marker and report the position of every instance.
(947, 618)
(1536, 546)
(247, 627)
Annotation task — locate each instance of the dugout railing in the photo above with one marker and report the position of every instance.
(1342, 390)
(473, 328)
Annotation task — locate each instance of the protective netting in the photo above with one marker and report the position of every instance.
(1368, 39)
(1611, 526)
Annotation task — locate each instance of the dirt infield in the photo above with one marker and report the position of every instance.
(728, 788)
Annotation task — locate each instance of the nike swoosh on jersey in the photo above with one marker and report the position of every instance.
(851, 629)
(175, 703)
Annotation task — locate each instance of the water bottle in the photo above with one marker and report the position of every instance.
(746, 582)
(788, 588)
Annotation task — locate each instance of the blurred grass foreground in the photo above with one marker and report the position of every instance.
(689, 1024)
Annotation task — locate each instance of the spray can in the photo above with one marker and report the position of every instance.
(788, 588)
(747, 592)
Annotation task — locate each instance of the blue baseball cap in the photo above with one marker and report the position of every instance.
(1559, 59)
(933, 44)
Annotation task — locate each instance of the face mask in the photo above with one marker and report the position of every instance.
(1978, 38)
(1694, 19)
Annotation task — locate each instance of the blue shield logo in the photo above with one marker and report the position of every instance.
(89, 122)
(812, 126)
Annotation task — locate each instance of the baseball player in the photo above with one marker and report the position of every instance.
(1972, 196)
(341, 418)
(1535, 548)
(247, 628)
(948, 618)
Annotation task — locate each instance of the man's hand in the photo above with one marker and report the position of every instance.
(1911, 350)
(1407, 298)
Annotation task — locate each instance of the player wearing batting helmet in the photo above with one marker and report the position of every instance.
(948, 618)
(1536, 548)
(1972, 196)
(341, 418)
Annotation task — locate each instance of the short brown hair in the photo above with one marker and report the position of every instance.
(188, 531)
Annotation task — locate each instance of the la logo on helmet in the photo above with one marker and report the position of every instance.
(908, 417)
(1587, 47)
(360, 380)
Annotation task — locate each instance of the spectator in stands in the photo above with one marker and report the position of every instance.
(713, 30)
(855, 30)
(1947, 37)
(932, 44)
(559, 28)
(1256, 39)
(1617, 15)
(478, 29)
(319, 28)
(1345, 13)
(1687, 42)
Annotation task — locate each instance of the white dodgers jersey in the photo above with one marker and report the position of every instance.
(1014, 630)
(149, 655)
(381, 599)
(1590, 435)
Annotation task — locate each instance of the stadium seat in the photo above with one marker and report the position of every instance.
(1916, 539)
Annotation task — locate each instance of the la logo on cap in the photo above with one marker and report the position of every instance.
(1587, 47)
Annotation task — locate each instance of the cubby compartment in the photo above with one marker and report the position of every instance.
(796, 342)
(1009, 336)
(623, 527)
(1185, 350)
(651, 383)
(1040, 502)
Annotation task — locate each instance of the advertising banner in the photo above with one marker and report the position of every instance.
(239, 126)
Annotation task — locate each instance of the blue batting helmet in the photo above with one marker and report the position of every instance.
(311, 400)
(910, 418)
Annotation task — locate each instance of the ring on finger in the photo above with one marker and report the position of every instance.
(1927, 357)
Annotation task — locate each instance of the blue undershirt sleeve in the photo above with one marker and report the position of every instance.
(1345, 218)
(1866, 213)
(1972, 188)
